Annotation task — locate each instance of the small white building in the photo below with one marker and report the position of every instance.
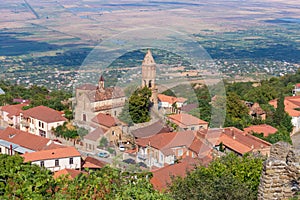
(40, 120)
(55, 159)
(170, 104)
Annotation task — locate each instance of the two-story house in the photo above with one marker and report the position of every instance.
(10, 115)
(55, 159)
(165, 148)
(187, 122)
(108, 127)
(41, 120)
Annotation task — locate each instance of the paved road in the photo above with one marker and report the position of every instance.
(296, 140)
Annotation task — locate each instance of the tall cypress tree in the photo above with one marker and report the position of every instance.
(279, 112)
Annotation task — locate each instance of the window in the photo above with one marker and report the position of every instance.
(40, 124)
(56, 163)
(180, 152)
(193, 128)
(113, 133)
(84, 117)
(71, 161)
(42, 164)
(42, 133)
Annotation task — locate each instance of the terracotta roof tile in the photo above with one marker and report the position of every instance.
(51, 154)
(71, 173)
(24, 139)
(162, 176)
(13, 110)
(263, 128)
(93, 163)
(45, 114)
(105, 120)
(170, 99)
(239, 141)
(183, 120)
(290, 104)
(165, 142)
(106, 94)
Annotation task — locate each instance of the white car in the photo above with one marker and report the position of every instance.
(122, 148)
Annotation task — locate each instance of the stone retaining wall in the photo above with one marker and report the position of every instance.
(281, 173)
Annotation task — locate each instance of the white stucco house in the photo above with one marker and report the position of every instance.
(55, 159)
(40, 120)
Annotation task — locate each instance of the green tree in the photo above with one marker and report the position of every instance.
(237, 113)
(103, 142)
(137, 110)
(279, 112)
(20, 180)
(228, 177)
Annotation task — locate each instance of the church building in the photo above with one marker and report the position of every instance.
(92, 100)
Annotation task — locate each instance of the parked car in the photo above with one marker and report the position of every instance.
(122, 148)
(103, 155)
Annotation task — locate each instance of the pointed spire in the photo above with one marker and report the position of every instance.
(101, 83)
(101, 78)
(148, 59)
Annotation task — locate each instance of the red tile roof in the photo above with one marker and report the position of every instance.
(13, 110)
(170, 99)
(105, 120)
(44, 114)
(108, 93)
(162, 176)
(290, 104)
(66, 152)
(183, 120)
(236, 140)
(27, 140)
(166, 141)
(70, 173)
(93, 163)
(263, 128)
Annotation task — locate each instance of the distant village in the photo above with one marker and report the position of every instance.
(170, 144)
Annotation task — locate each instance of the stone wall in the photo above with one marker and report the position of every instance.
(281, 173)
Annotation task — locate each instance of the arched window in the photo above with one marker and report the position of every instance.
(150, 84)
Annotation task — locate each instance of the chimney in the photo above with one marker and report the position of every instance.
(232, 133)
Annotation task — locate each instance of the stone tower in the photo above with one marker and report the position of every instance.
(149, 74)
(101, 84)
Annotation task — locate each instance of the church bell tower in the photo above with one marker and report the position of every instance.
(149, 74)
